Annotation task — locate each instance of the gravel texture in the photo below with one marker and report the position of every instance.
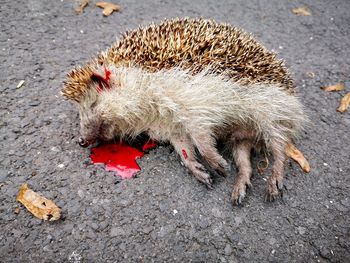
(165, 215)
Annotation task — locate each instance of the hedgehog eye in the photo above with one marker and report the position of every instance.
(93, 105)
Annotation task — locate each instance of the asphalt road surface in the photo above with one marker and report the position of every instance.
(165, 215)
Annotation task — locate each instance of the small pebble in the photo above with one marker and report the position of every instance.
(34, 103)
(54, 149)
(301, 230)
(20, 84)
(228, 250)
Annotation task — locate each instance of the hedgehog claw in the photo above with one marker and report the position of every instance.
(223, 170)
(201, 174)
(239, 191)
(280, 185)
(238, 201)
(274, 189)
(209, 185)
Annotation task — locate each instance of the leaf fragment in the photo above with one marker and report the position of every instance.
(344, 103)
(336, 87)
(302, 11)
(80, 9)
(108, 8)
(263, 165)
(292, 152)
(38, 205)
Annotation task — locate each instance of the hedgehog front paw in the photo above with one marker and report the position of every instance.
(239, 190)
(274, 188)
(223, 168)
(200, 173)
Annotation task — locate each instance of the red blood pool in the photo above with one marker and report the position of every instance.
(119, 158)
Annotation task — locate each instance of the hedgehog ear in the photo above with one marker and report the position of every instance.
(98, 78)
(102, 82)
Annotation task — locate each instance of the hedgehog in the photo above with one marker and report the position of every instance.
(192, 82)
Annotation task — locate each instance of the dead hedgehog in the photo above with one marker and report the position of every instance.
(191, 82)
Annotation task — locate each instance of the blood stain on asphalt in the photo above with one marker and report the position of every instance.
(120, 157)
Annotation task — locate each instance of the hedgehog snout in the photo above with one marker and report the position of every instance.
(83, 143)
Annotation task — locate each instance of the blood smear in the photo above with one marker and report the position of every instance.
(184, 153)
(149, 145)
(119, 158)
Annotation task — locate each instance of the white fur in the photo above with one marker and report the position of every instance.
(172, 103)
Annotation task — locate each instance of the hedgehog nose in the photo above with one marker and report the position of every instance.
(83, 143)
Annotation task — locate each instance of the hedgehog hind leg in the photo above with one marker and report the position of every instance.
(275, 181)
(241, 156)
(186, 150)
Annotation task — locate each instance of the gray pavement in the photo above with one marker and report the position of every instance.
(165, 215)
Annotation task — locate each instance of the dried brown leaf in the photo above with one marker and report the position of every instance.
(38, 205)
(302, 11)
(344, 103)
(108, 8)
(263, 165)
(336, 87)
(296, 155)
(80, 9)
